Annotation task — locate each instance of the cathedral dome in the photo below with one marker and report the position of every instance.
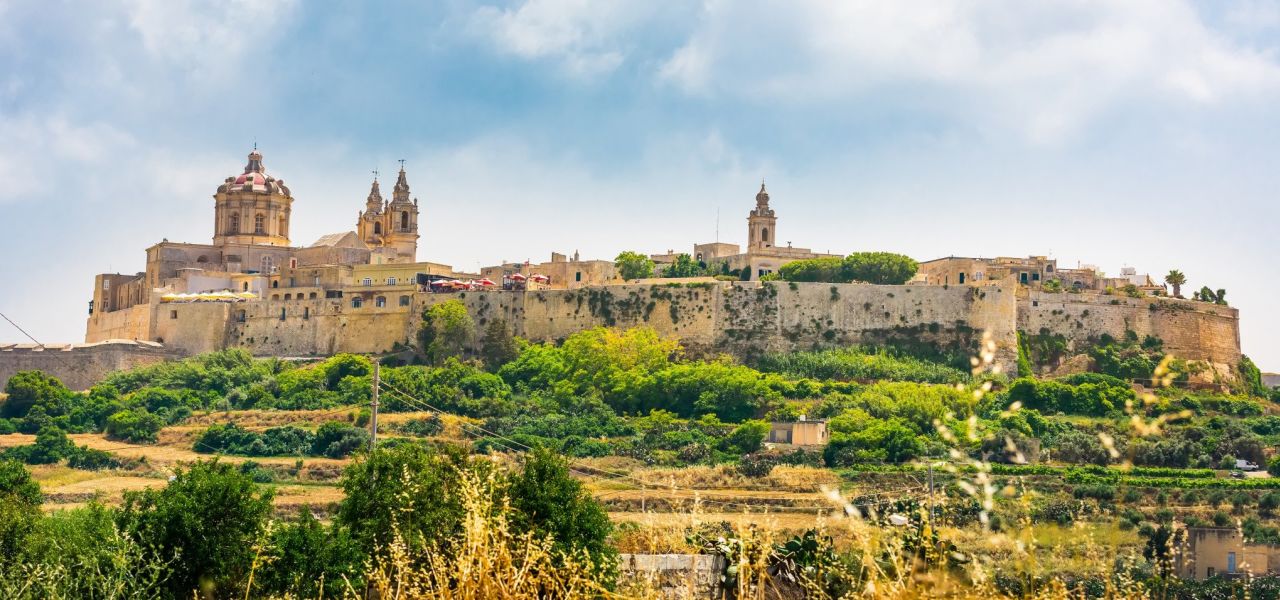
(254, 179)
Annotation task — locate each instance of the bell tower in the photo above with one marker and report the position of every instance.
(402, 221)
(761, 224)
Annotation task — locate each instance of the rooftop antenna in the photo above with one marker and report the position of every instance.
(255, 143)
(402, 164)
(375, 174)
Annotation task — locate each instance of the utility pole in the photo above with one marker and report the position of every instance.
(932, 502)
(373, 419)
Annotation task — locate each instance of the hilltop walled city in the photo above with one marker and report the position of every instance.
(364, 291)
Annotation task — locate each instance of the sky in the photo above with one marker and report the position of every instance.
(1139, 133)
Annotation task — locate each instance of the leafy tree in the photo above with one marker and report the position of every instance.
(1132, 291)
(1208, 295)
(52, 445)
(829, 269)
(549, 501)
(1176, 279)
(134, 426)
(1251, 376)
(409, 490)
(27, 389)
(682, 267)
(446, 330)
(746, 438)
(304, 554)
(209, 517)
(881, 268)
(633, 265)
(883, 441)
(498, 347)
(20, 500)
(338, 440)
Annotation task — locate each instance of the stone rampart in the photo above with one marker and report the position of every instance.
(740, 318)
(1189, 329)
(79, 366)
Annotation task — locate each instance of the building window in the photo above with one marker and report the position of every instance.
(404, 221)
(405, 300)
(1048, 268)
(764, 234)
(106, 284)
(1231, 562)
(312, 296)
(377, 229)
(1208, 572)
(234, 227)
(962, 278)
(240, 316)
(282, 228)
(366, 281)
(259, 224)
(246, 286)
(275, 284)
(173, 314)
(391, 281)
(268, 265)
(357, 302)
(293, 263)
(1022, 277)
(306, 312)
(380, 301)
(293, 282)
(1035, 277)
(577, 276)
(282, 314)
(275, 296)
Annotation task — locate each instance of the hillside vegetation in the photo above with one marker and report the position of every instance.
(554, 457)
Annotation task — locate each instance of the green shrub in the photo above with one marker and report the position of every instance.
(136, 426)
(210, 515)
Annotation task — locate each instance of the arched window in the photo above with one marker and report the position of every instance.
(764, 234)
(202, 259)
(234, 226)
(288, 296)
(377, 229)
(380, 301)
(246, 286)
(259, 224)
(275, 284)
(312, 296)
(357, 302)
(283, 229)
(404, 221)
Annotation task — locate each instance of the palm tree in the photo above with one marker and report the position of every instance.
(1175, 278)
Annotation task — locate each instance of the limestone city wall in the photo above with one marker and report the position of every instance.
(79, 366)
(1189, 329)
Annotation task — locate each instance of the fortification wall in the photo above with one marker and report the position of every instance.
(79, 366)
(742, 318)
(133, 323)
(1189, 329)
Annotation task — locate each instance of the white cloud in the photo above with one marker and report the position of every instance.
(207, 37)
(586, 38)
(1040, 68)
(46, 150)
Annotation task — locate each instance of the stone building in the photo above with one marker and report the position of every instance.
(390, 229)
(252, 252)
(561, 272)
(762, 256)
(1223, 552)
